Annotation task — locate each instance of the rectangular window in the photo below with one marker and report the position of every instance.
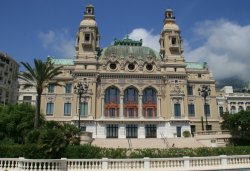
(131, 131)
(86, 38)
(51, 88)
(68, 88)
(221, 111)
(150, 131)
(207, 109)
(177, 110)
(173, 41)
(67, 109)
(112, 131)
(191, 110)
(209, 127)
(27, 98)
(50, 109)
(190, 90)
(112, 113)
(84, 109)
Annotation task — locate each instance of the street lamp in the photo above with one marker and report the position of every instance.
(81, 90)
(205, 92)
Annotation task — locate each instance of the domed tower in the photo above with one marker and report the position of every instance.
(88, 37)
(170, 40)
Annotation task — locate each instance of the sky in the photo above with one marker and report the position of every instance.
(215, 31)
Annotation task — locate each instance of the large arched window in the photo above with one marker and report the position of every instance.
(233, 109)
(112, 102)
(240, 108)
(131, 102)
(149, 103)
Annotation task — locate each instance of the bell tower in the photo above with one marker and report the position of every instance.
(170, 39)
(88, 37)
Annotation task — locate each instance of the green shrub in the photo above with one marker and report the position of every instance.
(186, 134)
(87, 151)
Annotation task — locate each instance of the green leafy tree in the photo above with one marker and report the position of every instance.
(53, 137)
(38, 77)
(16, 121)
(238, 124)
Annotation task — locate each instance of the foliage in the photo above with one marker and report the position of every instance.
(15, 122)
(239, 126)
(38, 77)
(90, 152)
(186, 134)
(54, 137)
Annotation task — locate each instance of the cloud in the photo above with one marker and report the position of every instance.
(148, 38)
(58, 41)
(224, 45)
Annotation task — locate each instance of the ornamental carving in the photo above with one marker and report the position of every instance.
(177, 91)
(50, 98)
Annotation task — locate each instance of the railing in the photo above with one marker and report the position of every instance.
(212, 133)
(185, 163)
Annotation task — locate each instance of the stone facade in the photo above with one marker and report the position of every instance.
(232, 102)
(8, 79)
(133, 91)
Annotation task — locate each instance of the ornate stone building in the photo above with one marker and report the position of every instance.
(132, 91)
(232, 102)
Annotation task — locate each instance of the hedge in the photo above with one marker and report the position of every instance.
(32, 151)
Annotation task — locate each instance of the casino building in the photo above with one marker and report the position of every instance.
(132, 91)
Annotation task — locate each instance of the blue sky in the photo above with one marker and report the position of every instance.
(38, 28)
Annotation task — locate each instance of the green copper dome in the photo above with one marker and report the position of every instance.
(128, 47)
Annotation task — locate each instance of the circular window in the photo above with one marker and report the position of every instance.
(131, 66)
(149, 67)
(112, 66)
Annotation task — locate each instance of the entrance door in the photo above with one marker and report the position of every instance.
(193, 129)
(178, 131)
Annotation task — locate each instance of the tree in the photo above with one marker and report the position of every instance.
(239, 125)
(15, 122)
(38, 77)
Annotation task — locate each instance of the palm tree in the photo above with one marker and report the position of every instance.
(38, 77)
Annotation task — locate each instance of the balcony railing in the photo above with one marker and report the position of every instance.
(150, 164)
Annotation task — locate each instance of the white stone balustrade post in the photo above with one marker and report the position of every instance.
(105, 163)
(20, 163)
(63, 166)
(146, 163)
(186, 161)
(223, 160)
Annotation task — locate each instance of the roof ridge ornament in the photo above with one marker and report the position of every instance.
(127, 42)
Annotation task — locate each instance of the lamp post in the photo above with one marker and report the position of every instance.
(205, 92)
(81, 90)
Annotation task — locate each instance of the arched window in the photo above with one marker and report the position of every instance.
(248, 108)
(112, 102)
(149, 103)
(233, 109)
(131, 102)
(240, 108)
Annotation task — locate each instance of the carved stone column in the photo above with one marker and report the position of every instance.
(158, 106)
(140, 106)
(121, 106)
(102, 106)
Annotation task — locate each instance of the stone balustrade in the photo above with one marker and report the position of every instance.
(154, 164)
